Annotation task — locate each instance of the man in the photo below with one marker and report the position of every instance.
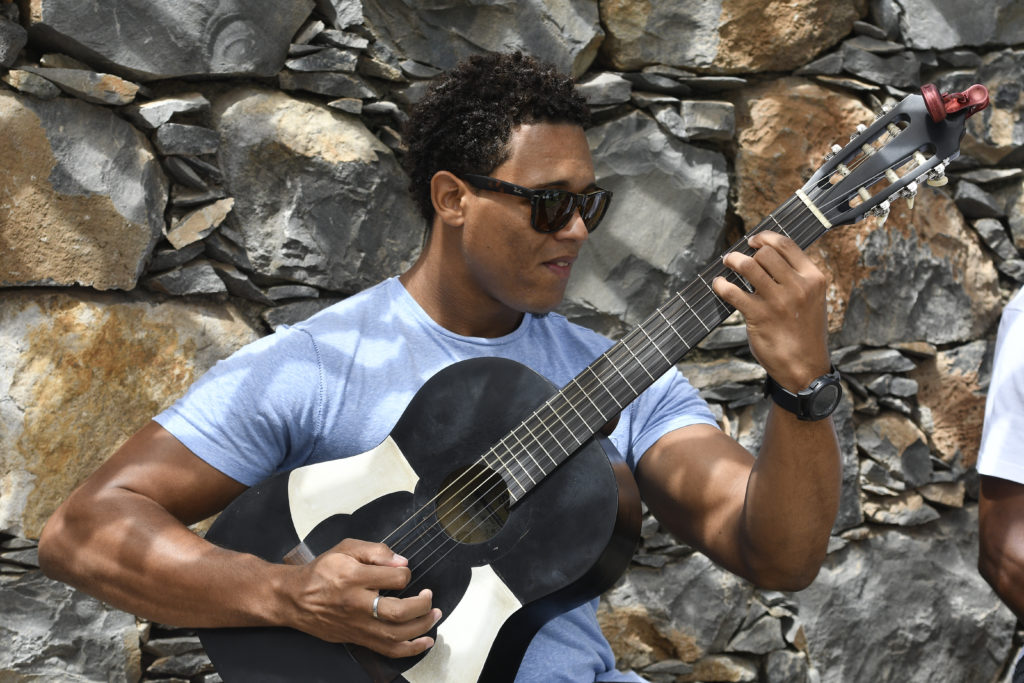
(500, 166)
(1001, 464)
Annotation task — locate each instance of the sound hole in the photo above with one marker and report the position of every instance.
(473, 504)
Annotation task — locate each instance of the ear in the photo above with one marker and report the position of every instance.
(447, 194)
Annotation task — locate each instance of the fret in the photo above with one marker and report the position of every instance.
(504, 466)
(523, 469)
(538, 442)
(781, 229)
(655, 344)
(603, 386)
(679, 295)
(639, 362)
(579, 441)
(672, 327)
(587, 396)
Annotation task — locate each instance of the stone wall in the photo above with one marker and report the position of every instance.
(180, 178)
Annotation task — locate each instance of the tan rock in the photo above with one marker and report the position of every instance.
(725, 36)
(81, 195)
(83, 372)
(197, 224)
(948, 493)
(951, 393)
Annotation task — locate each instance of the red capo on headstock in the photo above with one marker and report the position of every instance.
(973, 100)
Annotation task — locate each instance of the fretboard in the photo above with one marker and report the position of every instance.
(599, 393)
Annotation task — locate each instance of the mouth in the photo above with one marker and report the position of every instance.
(561, 266)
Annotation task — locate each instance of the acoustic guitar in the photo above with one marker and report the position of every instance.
(499, 489)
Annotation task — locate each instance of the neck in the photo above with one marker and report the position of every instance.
(432, 282)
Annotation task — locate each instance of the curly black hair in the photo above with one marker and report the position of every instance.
(464, 122)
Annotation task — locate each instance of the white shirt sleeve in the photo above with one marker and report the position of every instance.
(1002, 440)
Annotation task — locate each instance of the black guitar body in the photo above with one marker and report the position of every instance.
(562, 544)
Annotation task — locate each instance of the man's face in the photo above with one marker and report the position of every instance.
(512, 264)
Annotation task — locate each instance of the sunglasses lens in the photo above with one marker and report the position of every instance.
(555, 210)
(594, 206)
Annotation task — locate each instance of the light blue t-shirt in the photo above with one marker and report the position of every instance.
(334, 386)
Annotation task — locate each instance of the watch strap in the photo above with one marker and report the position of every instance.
(800, 403)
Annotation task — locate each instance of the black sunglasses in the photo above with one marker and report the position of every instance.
(551, 210)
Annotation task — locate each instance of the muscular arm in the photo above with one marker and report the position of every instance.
(768, 519)
(1001, 539)
(122, 537)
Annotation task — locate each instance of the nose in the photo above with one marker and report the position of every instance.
(575, 229)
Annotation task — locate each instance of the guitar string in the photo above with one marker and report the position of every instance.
(623, 349)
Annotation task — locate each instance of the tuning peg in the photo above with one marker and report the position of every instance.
(937, 176)
(882, 210)
(860, 130)
(909, 193)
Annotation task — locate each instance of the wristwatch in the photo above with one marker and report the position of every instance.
(816, 402)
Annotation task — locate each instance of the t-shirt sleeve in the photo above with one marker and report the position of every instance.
(257, 412)
(1002, 447)
(668, 404)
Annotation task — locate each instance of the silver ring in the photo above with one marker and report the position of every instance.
(376, 601)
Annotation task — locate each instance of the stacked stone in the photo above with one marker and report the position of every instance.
(179, 180)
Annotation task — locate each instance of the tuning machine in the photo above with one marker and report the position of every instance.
(937, 176)
(881, 211)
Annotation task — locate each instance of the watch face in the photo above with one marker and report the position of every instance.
(825, 399)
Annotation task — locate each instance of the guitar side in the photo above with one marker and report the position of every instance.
(563, 544)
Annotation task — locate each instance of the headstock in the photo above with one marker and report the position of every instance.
(885, 160)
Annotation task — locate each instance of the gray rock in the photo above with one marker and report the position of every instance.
(182, 172)
(346, 41)
(605, 88)
(698, 120)
(194, 278)
(901, 70)
(564, 32)
(283, 292)
(89, 86)
(758, 638)
(52, 632)
(341, 13)
(328, 59)
(663, 225)
(30, 84)
(930, 592)
(178, 139)
(165, 259)
(942, 24)
(185, 665)
(13, 38)
(863, 28)
(330, 84)
(786, 666)
(656, 83)
(327, 227)
(994, 235)
(690, 602)
(974, 202)
(147, 41)
(152, 115)
(875, 361)
(878, 46)
(829, 65)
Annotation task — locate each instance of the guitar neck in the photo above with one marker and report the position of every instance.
(599, 393)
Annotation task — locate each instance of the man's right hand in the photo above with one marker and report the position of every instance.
(332, 598)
